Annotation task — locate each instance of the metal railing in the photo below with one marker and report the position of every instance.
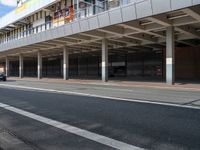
(90, 10)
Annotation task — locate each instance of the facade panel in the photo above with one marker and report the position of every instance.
(128, 12)
(177, 4)
(160, 6)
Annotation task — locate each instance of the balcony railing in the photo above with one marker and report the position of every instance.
(90, 10)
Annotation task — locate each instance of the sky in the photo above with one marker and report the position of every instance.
(6, 6)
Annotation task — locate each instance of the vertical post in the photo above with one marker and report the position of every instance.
(77, 8)
(73, 4)
(39, 68)
(7, 69)
(21, 66)
(65, 64)
(104, 72)
(170, 74)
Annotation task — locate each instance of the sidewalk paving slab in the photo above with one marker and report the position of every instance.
(157, 85)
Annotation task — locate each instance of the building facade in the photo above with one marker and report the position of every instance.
(95, 39)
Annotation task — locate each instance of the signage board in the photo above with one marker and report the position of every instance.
(24, 4)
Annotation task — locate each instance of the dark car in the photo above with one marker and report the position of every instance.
(3, 77)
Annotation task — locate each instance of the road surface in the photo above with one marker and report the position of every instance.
(125, 123)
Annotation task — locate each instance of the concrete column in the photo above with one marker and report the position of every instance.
(170, 71)
(21, 66)
(65, 64)
(104, 72)
(39, 67)
(78, 8)
(7, 69)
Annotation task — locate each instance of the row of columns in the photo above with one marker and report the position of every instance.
(39, 65)
(169, 60)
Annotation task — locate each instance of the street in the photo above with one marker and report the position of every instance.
(140, 125)
(99, 74)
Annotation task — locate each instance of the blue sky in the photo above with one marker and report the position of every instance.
(5, 8)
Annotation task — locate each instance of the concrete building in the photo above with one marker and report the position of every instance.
(95, 39)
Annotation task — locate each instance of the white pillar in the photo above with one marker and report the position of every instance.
(78, 9)
(39, 67)
(65, 64)
(21, 66)
(104, 72)
(170, 74)
(7, 69)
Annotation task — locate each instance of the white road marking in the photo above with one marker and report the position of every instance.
(98, 96)
(74, 130)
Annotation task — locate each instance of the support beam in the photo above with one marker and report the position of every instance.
(170, 71)
(143, 37)
(95, 34)
(65, 64)
(39, 67)
(161, 19)
(189, 30)
(21, 66)
(193, 13)
(116, 30)
(7, 69)
(104, 73)
(80, 37)
(144, 29)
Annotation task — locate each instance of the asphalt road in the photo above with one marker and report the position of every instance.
(148, 126)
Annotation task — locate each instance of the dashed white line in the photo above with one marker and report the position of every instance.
(74, 130)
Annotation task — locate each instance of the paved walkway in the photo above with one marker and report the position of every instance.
(159, 85)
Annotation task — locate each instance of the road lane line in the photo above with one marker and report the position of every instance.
(17, 87)
(74, 130)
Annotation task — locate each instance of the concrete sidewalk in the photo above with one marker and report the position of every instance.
(145, 84)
